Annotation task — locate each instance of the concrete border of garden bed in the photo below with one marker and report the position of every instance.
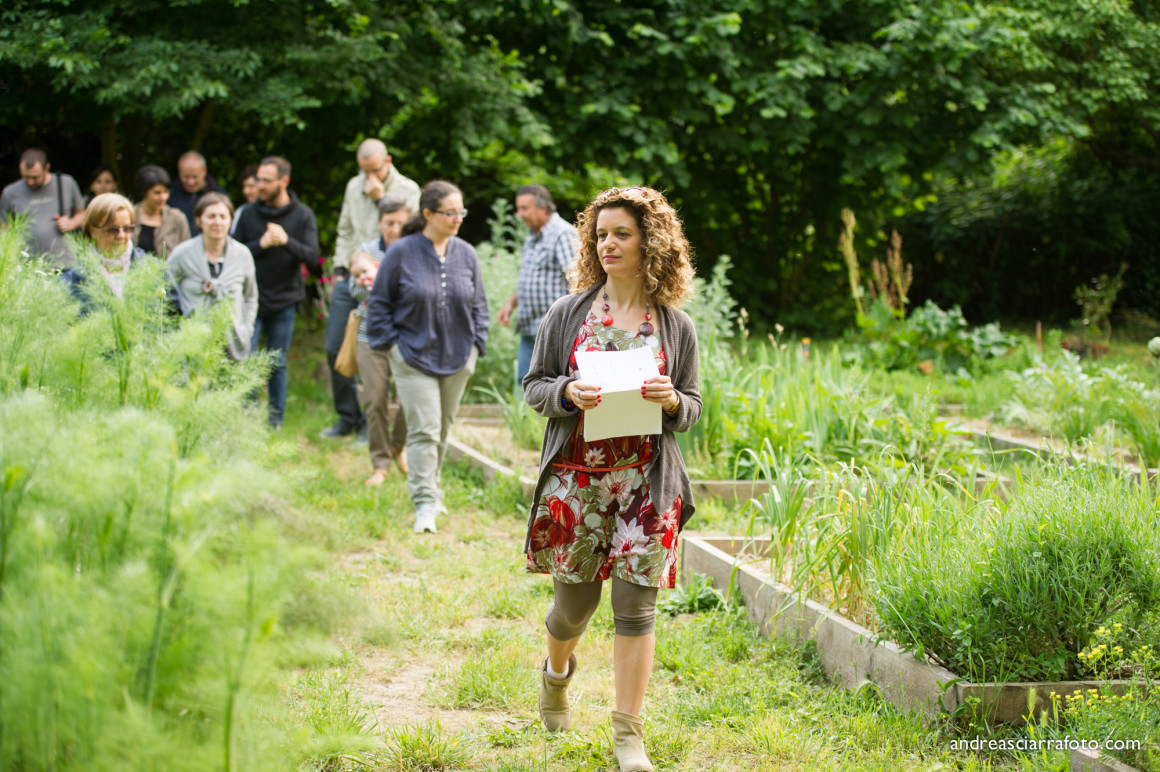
(1003, 441)
(457, 451)
(1094, 761)
(853, 655)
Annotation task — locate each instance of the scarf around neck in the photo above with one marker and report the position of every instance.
(114, 270)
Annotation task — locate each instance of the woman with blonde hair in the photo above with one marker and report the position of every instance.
(108, 228)
(611, 509)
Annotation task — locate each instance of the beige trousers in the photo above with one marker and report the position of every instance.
(430, 405)
(386, 425)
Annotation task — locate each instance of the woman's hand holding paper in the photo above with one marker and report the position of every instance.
(582, 394)
(659, 389)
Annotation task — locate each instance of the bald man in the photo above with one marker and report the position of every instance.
(358, 223)
(193, 181)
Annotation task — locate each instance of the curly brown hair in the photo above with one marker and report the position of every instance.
(666, 257)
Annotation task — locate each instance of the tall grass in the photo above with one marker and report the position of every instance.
(829, 527)
(1016, 592)
(499, 262)
(525, 425)
(817, 411)
(142, 564)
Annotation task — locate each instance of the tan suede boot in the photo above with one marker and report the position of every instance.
(628, 743)
(555, 711)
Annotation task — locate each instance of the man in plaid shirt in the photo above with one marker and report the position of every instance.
(548, 252)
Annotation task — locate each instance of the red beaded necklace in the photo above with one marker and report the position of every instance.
(646, 328)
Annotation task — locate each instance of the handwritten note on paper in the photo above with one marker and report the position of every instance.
(622, 411)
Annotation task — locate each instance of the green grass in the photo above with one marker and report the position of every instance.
(456, 619)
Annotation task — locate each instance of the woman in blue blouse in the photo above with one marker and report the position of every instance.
(428, 311)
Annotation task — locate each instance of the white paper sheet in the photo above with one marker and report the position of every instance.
(619, 374)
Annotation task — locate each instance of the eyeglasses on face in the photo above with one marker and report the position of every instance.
(116, 230)
(452, 213)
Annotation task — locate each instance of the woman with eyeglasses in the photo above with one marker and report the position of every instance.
(611, 509)
(214, 268)
(108, 227)
(428, 311)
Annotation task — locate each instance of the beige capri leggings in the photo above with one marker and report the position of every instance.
(633, 608)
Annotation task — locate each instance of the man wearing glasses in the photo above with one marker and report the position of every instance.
(53, 203)
(358, 223)
(282, 235)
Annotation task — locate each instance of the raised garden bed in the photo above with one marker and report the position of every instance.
(1041, 447)
(485, 442)
(854, 655)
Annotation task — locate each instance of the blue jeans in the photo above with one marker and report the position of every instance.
(350, 415)
(279, 327)
(524, 360)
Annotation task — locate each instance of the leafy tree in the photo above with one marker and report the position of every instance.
(761, 119)
(764, 118)
(238, 79)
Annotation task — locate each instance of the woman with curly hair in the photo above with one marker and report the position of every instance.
(612, 509)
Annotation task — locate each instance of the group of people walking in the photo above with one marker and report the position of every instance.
(603, 510)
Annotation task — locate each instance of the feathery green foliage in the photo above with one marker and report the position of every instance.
(143, 565)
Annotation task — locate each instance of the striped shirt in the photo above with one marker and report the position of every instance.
(547, 255)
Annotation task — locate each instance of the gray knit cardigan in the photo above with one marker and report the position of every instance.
(237, 285)
(544, 391)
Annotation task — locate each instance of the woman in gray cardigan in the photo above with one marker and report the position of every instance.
(612, 509)
(213, 267)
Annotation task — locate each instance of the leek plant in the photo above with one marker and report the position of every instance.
(818, 412)
(828, 527)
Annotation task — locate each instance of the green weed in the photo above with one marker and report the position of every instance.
(1017, 593)
(427, 748)
(339, 726)
(489, 677)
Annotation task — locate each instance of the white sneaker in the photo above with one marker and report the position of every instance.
(425, 518)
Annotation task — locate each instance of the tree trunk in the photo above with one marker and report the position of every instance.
(109, 144)
(133, 128)
(204, 122)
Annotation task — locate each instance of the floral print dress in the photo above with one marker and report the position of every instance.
(595, 518)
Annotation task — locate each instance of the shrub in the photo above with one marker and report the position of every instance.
(499, 262)
(942, 337)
